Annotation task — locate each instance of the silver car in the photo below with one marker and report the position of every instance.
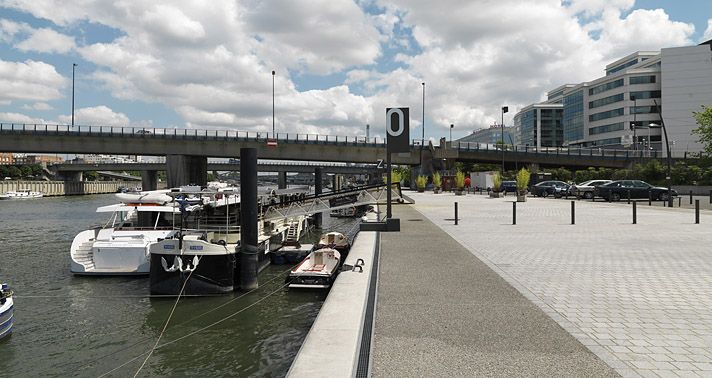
(585, 189)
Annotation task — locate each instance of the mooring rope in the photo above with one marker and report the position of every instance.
(194, 332)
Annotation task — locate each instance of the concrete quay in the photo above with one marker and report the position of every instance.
(544, 297)
(65, 188)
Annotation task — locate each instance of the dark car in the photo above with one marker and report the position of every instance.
(616, 190)
(509, 186)
(550, 188)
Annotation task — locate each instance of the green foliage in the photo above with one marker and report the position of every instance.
(90, 176)
(484, 167)
(437, 180)
(704, 131)
(496, 182)
(523, 180)
(421, 181)
(395, 177)
(404, 172)
(561, 174)
(459, 180)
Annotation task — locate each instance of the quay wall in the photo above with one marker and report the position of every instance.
(332, 347)
(64, 188)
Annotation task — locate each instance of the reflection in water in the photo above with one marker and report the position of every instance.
(67, 325)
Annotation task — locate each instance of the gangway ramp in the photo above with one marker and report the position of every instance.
(326, 202)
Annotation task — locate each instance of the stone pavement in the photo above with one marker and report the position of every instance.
(441, 312)
(639, 296)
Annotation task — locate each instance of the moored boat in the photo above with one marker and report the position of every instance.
(291, 252)
(317, 271)
(337, 241)
(20, 194)
(6, 311)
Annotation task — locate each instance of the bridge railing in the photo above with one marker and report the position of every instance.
(185, 133)
(607, 153)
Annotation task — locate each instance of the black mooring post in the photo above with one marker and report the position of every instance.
(635, 212)
(248, 219)
(573, 212)
(697, 211)
(317, 190)
(455, 213)
(679, 202)
(710, 196)
(650, 197)
(690, 197)
(514, 212)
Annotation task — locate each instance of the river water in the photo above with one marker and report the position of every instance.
(69, 325)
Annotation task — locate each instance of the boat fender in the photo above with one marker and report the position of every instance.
(222, 242)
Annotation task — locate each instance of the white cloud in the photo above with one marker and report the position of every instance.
(96, 115)
(20, 118)
(38, 106)
(47, 41)
(9, 29)
(30, 81)
(708, 32)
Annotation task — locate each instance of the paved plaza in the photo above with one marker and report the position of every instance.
(638, 296)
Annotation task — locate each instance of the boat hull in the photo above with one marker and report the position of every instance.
(215, 274)
(6, 317)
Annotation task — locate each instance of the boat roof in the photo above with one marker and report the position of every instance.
(141, 207)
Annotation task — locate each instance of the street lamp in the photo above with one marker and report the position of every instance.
(635, 124)
(504, 110)
(668, 178)
(273, 135)
(451, 126)
(367, 129)
(73, 65)
(422, 138)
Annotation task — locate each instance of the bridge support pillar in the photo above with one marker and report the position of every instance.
(186, 170)
(73, 176)
(317, 190)
(149, 180)
(249, 257)
(282, 180)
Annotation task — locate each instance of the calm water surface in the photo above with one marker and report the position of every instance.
(69, 325)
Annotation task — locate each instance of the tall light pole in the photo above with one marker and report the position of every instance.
(273, 134)
(73, 65)
(451, 126)
(504, 110)
(422, 138)
(367, 129)
(668, 177)
(635, 124)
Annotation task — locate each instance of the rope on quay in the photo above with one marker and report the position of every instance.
(168, 320)
(194, 332)
(278, 275)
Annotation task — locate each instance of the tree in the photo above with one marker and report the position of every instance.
(704, 119)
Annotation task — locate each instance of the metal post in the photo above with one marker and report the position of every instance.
(389, 211)
(635, 212)
(317, 191)
(73, 65)
(679, 202)
(455, 213)
(710, 196)
(697, 211)
(514, 212)
(573, 212)
(629, 196)
(249, 259)
(273, 136)
(650, 197)
(690, 197)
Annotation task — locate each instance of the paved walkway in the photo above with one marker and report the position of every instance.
(639, 296)
(441, 312)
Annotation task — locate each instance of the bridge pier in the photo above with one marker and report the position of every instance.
(282, 180)
(72, 176)
(317, 190)
(149, 180)
(186, 170)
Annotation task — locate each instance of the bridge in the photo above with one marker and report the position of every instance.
(187, 150)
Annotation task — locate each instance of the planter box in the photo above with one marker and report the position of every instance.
(494, 194)
(521, 198)
(459, 192)
(421, 190)
(436, 190)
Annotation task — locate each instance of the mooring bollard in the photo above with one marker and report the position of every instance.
(455, 213)
(679, 202)
(514, 212)
(690, 197)
(573, 212)
(697, 211)
(650, 197)
(710, 196)
(635, 213)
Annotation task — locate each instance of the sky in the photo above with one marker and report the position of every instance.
(338, 63)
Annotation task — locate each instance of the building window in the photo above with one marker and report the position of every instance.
(605, 87)
(573, 116)
(641, 95)
(606, 128)
(622, 66)
(605, 115)
(642, 79)
(606, 101)
(602, 142)
(642, 110)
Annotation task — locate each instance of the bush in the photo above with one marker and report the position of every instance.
(460, 180)
(496, 182)
(522, 180)
(437, 180)
(421, 181)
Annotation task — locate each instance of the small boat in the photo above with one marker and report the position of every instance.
(337, 241)
(20, 194)
(6, 317)
(317, 271)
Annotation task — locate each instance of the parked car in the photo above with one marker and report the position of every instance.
(585, 189)
(509, 186)
(553, 188)
(616, 190)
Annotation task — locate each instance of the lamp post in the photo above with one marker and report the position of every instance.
(73, 65)
(367, 129)
(668, 177)
(451, 126)
(422, 138)
(635, 124)
(504, 110)
(273, 135)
